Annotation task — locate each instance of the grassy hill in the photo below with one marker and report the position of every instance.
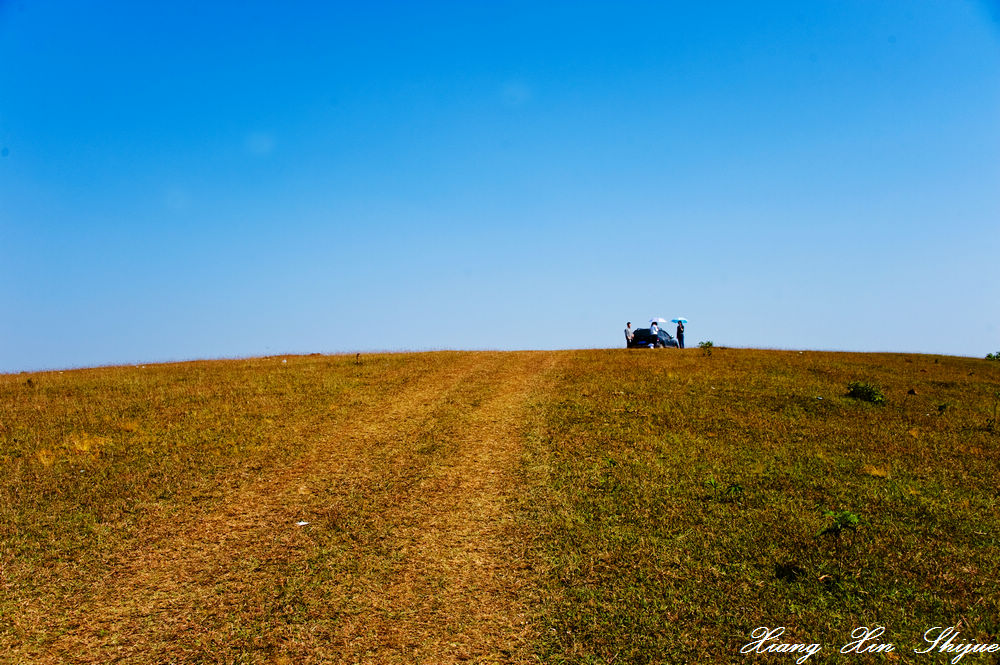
(579, 506)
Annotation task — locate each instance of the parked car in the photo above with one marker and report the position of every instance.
(642, 338)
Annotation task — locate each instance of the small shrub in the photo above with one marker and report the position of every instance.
(993, 356)
(713, 485)
(706, 347)
(866, 392)
(837, 523)
(733, 492)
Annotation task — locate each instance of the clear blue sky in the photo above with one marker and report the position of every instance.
(213, 179)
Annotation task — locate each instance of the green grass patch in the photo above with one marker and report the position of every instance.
(844, 516)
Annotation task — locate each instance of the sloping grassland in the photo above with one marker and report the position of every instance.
(585, 506)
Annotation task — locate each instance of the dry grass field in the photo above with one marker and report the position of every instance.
(565, 507)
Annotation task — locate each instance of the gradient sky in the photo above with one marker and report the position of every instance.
(216, 179)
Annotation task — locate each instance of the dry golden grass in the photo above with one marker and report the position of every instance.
(490, 507)
(406, 557)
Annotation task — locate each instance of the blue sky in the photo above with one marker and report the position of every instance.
(195, 180)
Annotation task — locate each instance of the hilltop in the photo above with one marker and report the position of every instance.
(572, 506)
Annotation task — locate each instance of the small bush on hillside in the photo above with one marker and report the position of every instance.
(838, 523)
(733, 492)
(866, 392)
(706, 347)
(993, 356)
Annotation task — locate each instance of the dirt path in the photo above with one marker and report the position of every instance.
(459, 579)
(410, 554)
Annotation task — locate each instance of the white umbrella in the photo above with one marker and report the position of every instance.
(658, 319)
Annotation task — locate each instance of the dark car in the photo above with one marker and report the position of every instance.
(643, 338)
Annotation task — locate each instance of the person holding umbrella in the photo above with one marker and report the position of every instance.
(680, 331)
(654, 329)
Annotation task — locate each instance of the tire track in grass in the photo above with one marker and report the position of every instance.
(164, 594)
(455, 590)
(410, 559)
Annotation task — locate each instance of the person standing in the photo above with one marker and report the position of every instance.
(628, 334)
(680, 334)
